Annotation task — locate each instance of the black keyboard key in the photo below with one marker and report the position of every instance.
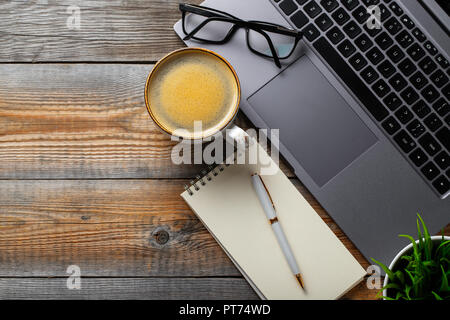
(442, 185)
(421, 109)
(439, 78)
(358, 62)
(299, 19)
(351, 79)
(375, 55)
(407, 22)
(447, 120)
(396, 9)
(433, 122)
(443, 135)
(446, 91)
(416, 129)
(363, 42)
(409, 95)
(404, 115)
(301, 2)
(369, 3)
(418, 157)
(418, 80)
(340, 16)
(311, 32)
(442, 61)
(312, 9)
(352, 29)
(430, 171)
(430, 144)
(442, 160)
(392, 101)
(398, 82)
(415, 52)
(384, 12)
(386, 69)
(404, 141)
(335, 35)
(442, 107)
(323, 22)
(371, 32)
(391, 125)
(395, 54)
(430, 93)
(381, 88)
(393, 26)
(350, 4)
(419, 35)
(329, 5)
(346, 48)
(430, 48)
(288, 7)
(407, 67)
(427, 65)
(369, 75)
(361, 15)
(404, 39)
(384, 40)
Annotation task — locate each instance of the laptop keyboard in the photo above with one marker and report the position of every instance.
(395, 71)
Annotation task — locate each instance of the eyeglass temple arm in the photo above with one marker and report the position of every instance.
(272, 49)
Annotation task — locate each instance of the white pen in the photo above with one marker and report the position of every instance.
(269, 209)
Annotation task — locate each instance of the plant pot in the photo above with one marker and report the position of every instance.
(405, 250)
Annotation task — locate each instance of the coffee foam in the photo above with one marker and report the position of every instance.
(193, 86)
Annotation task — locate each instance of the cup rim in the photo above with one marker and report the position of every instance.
(196, 49)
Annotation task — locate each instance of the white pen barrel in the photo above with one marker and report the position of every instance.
(285, 247)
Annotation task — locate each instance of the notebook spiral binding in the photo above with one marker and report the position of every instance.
(203, 178)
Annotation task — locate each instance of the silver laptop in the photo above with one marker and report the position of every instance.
(363, 113)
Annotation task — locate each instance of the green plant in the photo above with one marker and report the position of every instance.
(423, 273)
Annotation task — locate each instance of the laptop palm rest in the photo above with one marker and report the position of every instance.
(316, 124)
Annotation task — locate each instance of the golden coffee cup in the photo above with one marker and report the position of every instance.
(192, 85)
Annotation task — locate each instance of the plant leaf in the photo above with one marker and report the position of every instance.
(385, 269)
(444, 284)
(428, 243)
(436, 296)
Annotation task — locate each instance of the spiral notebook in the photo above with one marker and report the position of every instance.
(226, 203)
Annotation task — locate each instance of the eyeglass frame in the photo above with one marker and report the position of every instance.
(257, 26)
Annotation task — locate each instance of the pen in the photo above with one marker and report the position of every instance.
(269, 210)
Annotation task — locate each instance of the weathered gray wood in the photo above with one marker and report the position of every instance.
(75, 121)
(117, 30)
(128, 288)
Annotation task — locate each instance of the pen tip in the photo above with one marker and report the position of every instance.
(300, 280)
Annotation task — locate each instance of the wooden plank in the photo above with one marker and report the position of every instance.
(128, 288)
(117, 30)
(143, 288)
(107, 227)
(111, 228)
(82, 121)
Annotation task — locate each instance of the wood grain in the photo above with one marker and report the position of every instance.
(117, 30)
(110, 228)
(126, 288)
(73, 121)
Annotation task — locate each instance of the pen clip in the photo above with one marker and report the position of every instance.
(267, 190)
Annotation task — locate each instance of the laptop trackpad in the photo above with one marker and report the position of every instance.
(316, 124)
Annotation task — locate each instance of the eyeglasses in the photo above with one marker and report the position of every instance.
(216, 27)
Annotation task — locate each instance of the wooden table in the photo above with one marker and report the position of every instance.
(86, 177)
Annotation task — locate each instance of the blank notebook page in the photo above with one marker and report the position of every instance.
(230, 209)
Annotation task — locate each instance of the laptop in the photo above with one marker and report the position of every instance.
(363, 113)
